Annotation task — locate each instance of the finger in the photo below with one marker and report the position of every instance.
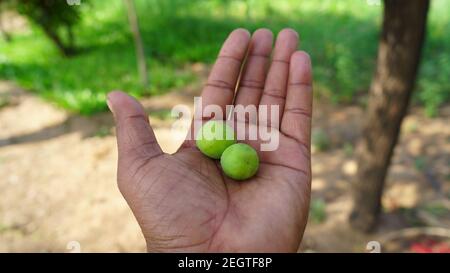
(274, 93)
(296, 121)
(251, 83)
(221, 84)
(135, 137)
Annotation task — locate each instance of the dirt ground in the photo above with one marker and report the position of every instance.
(58, 178)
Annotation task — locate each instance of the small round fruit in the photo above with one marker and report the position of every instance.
(240, 161)
(214, 137)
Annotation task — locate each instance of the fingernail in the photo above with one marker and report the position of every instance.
(109, 105)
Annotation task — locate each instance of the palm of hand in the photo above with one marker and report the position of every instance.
(184, 202)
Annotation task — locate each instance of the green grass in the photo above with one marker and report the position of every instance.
(320, 140)
(341, 37)
(163, 114)
(317, 211)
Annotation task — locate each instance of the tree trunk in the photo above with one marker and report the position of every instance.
(3, 30)
(53, 35)
(4, 33)
(390, 92)
(70, 36)
(140, 54)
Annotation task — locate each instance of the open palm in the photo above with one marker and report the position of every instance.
(183, 202)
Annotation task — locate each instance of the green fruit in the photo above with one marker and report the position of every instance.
(240, 161)
(214, 137)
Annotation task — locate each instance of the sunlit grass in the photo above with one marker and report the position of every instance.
(341, 37)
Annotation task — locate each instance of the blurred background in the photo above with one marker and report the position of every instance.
(58, 59)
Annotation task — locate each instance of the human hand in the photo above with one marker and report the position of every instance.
(183, 202)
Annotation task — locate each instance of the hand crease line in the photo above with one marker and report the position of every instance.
(230, 58)
(280, 61)
(274, 93)
(298, 110)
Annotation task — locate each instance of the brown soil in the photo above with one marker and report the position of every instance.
(58, 174)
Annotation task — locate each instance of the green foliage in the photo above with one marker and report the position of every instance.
(410, 215)
(341, 37)
(317, 211)
(162, 114)
(349, 149)
(103, 131)
(434, 81)
(420, 163)
(434, 84)
(53, 16)
(437, 210)
(3, 102)
(320, 140)
(48, 12)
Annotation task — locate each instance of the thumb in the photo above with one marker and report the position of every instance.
(135, 137)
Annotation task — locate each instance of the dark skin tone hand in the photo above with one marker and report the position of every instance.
(183, 202)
